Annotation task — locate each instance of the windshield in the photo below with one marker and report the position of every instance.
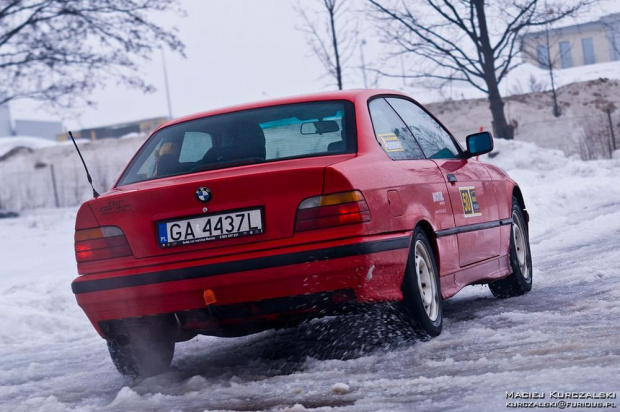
(246, 137)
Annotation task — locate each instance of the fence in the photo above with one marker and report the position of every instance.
(55, 177)
(48, 186)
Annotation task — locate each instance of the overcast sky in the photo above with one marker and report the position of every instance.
(237, 51)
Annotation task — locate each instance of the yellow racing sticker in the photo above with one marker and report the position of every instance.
(390, 142)
(469, 201)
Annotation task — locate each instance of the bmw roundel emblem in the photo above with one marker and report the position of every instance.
(203, 194)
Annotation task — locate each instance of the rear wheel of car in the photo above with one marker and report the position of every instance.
(520, 281)
(143, 352)
(421, 288)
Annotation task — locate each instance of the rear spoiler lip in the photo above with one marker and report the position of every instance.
(163, 181)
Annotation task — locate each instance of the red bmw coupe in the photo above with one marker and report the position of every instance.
(241, 219)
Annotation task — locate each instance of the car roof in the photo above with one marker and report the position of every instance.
(351, 95)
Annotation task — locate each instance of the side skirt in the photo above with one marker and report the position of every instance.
(491, 270)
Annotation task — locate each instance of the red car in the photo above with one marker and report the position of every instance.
(241, 219)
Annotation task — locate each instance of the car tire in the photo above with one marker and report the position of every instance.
(422, 298)
(520, 281)
(146, 352)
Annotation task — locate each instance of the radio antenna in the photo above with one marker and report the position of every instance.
(90, 179)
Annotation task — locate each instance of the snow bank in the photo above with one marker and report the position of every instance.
(571, 202)
(583, 117)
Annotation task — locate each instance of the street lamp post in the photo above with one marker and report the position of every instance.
(163, 59)
(41, 165)
(362, 44)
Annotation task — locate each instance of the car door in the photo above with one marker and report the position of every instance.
(470, 188)
(415, 186)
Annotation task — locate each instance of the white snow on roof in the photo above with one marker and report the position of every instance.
(11, 142)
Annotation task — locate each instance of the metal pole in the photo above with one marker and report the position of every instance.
(163, 59)
(402, 69)
(611, 128)
(362, 44)
(54, 186)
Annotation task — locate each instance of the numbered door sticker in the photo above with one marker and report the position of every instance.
(391, 143)
(469, 201)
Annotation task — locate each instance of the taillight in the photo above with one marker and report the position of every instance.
(337, 209)
(100, 243)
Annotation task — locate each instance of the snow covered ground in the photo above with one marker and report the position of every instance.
(563, 336)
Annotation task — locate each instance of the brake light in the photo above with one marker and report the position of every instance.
(100, 243)
(337, 209)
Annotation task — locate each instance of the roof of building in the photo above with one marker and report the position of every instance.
(604, 21)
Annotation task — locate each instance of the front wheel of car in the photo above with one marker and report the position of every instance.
(146, 352)
(520, 281)
(421, 288)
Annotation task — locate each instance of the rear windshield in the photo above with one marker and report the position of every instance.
(247, 137)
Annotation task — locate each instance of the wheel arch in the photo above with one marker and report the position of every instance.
(432, 238)
(516, 192)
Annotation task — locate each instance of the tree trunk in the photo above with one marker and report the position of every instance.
(501, 128)
(549, 62)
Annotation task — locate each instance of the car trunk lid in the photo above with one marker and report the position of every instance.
(274, 190)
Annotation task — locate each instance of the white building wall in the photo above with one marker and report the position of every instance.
(36, 128)
(605, 35)
(5, 121)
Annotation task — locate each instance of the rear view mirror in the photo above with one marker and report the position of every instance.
(319, 127)
(479, 144)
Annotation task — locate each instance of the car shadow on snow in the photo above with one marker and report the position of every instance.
(378, 328)
(285, 351)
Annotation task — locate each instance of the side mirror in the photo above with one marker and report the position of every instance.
(479, 144)
(319, 127)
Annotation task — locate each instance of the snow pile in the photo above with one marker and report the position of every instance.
(340, 388)
(520, 75)
(562, 336)
(571, 202)
(583, 118)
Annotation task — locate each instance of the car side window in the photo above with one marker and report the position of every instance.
(435, 141)
(391, 133)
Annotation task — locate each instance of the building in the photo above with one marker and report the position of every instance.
(576, 45)
(31, 128)
(143, 127)
(5, 121)
(38, 128)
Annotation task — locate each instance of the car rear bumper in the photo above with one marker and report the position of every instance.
(372, 267)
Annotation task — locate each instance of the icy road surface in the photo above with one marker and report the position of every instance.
(563, 336)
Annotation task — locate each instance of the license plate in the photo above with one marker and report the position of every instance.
(213, 227)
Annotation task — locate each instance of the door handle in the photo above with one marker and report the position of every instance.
(452, 178)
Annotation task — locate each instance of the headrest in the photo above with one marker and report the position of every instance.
(339, 146)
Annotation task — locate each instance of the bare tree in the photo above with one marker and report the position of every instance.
(470, 41)
(543, 52)
(58, 51)
(612, 26)
(332, 45)
(551, 63)
(595, 141)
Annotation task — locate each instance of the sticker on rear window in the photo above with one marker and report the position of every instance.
(469, 201)
(390, 142)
